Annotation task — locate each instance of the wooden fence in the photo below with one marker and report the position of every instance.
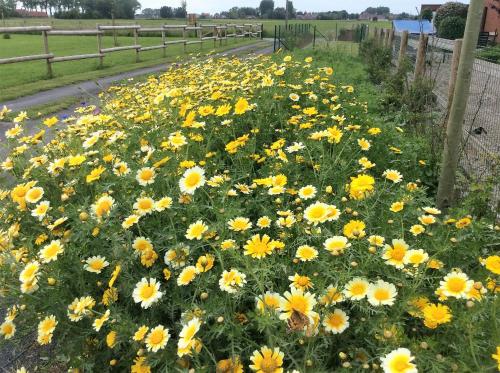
(203, 33)
(437, 60)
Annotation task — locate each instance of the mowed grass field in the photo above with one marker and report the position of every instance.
(25, 78)
(19, 79)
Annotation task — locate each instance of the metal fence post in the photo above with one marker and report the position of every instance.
(314, 37)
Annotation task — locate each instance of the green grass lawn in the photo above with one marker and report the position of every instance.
(29, 77)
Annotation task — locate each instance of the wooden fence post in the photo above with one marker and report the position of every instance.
(46, 49)
(386, 41)
(457, 48)
(214, 32)
(136, 42)
(453, 139)
(402, 49)
(184, 37)
(201, 36)
(99, 47)
(163, 39)
(391, 38)
(421, 52)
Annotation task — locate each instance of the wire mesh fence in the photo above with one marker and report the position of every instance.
(480, 151)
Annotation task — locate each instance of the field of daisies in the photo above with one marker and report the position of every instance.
(240, 215)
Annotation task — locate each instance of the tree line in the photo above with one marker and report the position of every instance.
(76, 8)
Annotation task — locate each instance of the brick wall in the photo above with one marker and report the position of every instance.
(492, 19)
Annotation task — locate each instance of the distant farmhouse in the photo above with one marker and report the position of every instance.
(366, 16)
(432, 7)
(307, 16)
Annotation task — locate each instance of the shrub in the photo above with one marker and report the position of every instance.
(377, 58)
(451, 9)
(230, 208)
(452, 28)
(491, 54)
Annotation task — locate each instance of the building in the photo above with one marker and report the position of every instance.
(491, 19)
(414, 27)
(365, 16)
(432, 7)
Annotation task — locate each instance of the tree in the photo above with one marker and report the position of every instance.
(380, 10)
(290, 9)
(452, 27)
(7, 8)
(279, 13)
(166, 12)
(149, 13)
(427, 14)
(266, 8)
(452, 9)
(180, 12)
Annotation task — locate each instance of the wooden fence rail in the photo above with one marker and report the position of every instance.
(202, 33)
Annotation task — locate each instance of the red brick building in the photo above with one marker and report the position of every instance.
(491, 18)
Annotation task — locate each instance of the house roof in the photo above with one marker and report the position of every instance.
(414, 26)
(432, 7)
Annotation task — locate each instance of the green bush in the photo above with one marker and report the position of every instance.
(491, 54)
(451, 9)
(452, 28)
(377, 58)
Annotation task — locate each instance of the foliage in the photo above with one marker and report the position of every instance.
(241, 12)
(450, 9)
(380, 10)
(377, 59)
(194, 166)
(340, 14)
(266, 8)
(427, 14)
(7, 8)
(490, 54)
(92, 9)
(452, 28)
(166, 12)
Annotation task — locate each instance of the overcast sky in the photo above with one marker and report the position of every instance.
(214, 6)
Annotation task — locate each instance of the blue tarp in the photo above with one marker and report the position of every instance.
(414, 26)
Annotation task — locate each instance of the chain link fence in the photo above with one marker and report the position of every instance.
(480, 151)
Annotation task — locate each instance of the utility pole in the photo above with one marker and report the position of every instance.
(453, 139)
